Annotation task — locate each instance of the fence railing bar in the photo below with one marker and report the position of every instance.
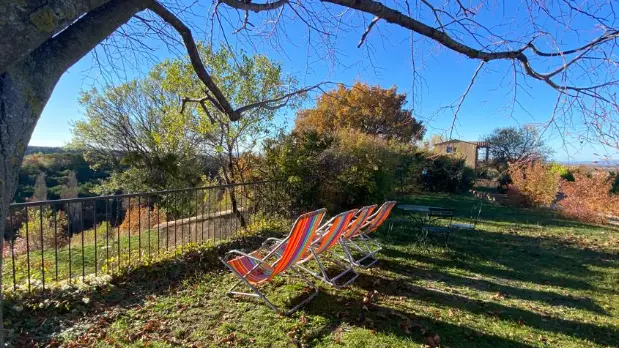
(12, 252)
(148, 222)
(139, 227)
(42, 247)
(55, 240)
(175, 225)
(82, 233)
(167, 231)
(128, 217)
(70, 228)
(208, 212)
(118, 223)
(158, 231)
(94, 219)
(197, 208)
(28, 247)
(107, 236)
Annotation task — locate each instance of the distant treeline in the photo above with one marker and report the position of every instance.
(44, 149)
(56, 163)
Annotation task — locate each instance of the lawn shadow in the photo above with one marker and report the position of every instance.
(540, 260)
(548, 297)
(603, 335)
(339, 309)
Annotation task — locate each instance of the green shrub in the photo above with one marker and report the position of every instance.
(562, 171)
(336, 171)
(486, 172)
(358, 169)
(444, 173)
(349, 168)
(615, 186)
(504, 181)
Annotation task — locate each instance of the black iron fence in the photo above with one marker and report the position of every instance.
(64, 241)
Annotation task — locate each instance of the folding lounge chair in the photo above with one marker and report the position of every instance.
(328, 235)
(347, 241)
(254, 269)
(362, 241)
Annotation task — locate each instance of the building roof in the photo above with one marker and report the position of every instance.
(476, 143)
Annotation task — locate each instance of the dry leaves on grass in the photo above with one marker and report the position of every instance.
(433, 340)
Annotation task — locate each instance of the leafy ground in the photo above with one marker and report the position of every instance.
(524, 278)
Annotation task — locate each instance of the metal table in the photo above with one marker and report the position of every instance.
(419, 214)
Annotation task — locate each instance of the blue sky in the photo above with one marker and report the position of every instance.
(385, 60)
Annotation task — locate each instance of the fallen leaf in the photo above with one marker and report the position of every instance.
(230, 338)
(433, 341)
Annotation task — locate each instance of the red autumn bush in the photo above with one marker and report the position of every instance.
(533, 184)
(588, 198)
(142, 217)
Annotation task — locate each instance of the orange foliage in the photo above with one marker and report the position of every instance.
(533, 183)
(138, 217)
(370, 109)
(588, 198)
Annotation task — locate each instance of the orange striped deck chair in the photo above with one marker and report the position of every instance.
(329, 235)
(254, 269)
(360, 240)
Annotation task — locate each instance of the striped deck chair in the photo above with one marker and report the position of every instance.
(362, 241)
(254, 269)
(347, 241)
(328, 235)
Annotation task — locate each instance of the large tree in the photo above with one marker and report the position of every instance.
(137, 129)
(516, 144)
(370, 109)
(154, 143)
(41, 39)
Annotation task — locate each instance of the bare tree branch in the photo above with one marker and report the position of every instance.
(253, 6)
(367, 31)
(269, 104)
(194, 56)
(463, 97)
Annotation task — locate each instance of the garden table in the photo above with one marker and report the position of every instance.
(419, 214)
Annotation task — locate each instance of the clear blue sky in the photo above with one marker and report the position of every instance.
(385, 60)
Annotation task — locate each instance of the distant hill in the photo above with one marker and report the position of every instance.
(602, 163)
(44, 149)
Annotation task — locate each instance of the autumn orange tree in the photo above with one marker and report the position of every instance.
(370, 109)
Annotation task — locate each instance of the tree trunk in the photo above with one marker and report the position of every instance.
(229, 181)
(19, 112)
(25, 88)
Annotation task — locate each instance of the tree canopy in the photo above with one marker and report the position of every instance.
(512, 144)
(369, 109)
(154, 143)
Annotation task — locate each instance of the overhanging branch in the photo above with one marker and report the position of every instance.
(44, 18)
(254, 6)
(194, 56)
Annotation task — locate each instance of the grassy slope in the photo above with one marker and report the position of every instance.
(524, 278)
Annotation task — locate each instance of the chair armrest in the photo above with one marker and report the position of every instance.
(241, 253)
(270, 243)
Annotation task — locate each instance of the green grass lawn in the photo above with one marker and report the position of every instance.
(524, 278)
